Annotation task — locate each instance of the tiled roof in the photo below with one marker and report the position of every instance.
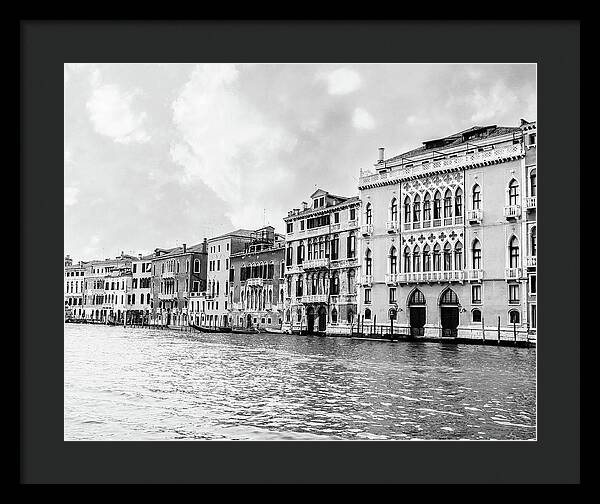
(350, 199)
(238, 232)
(455, 140)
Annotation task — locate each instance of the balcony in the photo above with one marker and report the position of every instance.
(294, 269)
(531, 202)
(171, 295)
(352, 224)
(513, 273)
(512, 211)
(343, 263)
(168, 274)
(366, 229)
(315, 298)
(532, 261)
(392, 278)
(316, 263)
(475, 275)
(392, 226)
(475, 216)
(432, 276)
(365, 280)
(254, 282)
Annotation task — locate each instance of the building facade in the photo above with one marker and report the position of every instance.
(446, 235)
(176, 273)
(321, 264)
(216, 299)
(140, 298)
(74, 285)
(256, 276)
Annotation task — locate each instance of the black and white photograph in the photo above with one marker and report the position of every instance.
(301, 251)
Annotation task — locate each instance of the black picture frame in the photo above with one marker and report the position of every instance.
(46, 458)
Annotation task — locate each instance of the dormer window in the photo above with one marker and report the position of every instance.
(322, 203)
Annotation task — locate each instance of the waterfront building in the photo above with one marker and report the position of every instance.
(321, 264)
(256, 276)
(107, 283)
(220, 249)
(176, 273)
(140, 299)
(74, 285)
(448, 236)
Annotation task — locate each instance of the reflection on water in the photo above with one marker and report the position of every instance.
(143, 384)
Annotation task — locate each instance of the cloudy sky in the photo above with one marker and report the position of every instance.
(162, 154)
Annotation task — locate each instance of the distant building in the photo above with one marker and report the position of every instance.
(322, 264)
(74, 288)
(448, 235)
(256, 276)
(107, 284)
(176, 273)
(140, 298)
(220, 249)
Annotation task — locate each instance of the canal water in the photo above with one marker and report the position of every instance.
(145, 384)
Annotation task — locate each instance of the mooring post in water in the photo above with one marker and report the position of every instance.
(498, 329)
(483, 329)
(374, 325)
(515, 330)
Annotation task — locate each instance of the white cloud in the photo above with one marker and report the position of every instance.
(71, 195)
(342, 81)
(361, 119)
(111, 113)
(493, 103)
(227, 143)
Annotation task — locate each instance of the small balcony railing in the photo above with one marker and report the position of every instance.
(352, 223)
(513, 273)
(316, 263)
(315, 298)
(512, 211)
(531, 202)
(168, 274)
(366, 229)
(474, 216)
(254, 281)
(295, 268)
(432, 276)
(171, 295)
(392, 226)
(343, 263)
(475, 274)
(392, 278)
(365, 279)
(532, 262)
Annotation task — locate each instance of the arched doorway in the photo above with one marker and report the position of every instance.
(322, 318)
(449, 314)
(417, 313)
(249, 320)
(310, 319)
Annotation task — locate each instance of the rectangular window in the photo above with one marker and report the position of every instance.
(352, 214)
(367, 295)
(533, 316)
(392, 295)
(513, 293)
(532, 139)
(301, 225)
(533, 284)
(336, 217)
(290, 227)
(219, 264)
(134, 267)
(476, 294)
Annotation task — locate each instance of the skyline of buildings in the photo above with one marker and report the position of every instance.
(419, 246)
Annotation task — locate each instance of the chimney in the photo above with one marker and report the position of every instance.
(139, 256)
(205, 245)
(156, 252)
(381, 151)
(184, 248)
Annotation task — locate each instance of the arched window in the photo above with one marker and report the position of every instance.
(458, 256)
(393, 261)
(476, 197)
(406, 260)
(369, 213)
(426, 258)
(417, 209)
(476, 315)
(416, 298)
(368, 314)
(534, 240)
(299, 315)
(513, 252)
(334, 316)
(476, 255)
(449, 297)
(335, 284)
(437, 266)
(427, 208)
(287, 316)
(533, 182)
(351, 283)
(437, 205)
(394, 210)
(416, 259)
(350, 316)
(514, 317)
(448, 203)
(513, 193)
(447, 257)
(196, 266)
(368, 263)
(148, 299)
(458, 202)
(407, 209)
